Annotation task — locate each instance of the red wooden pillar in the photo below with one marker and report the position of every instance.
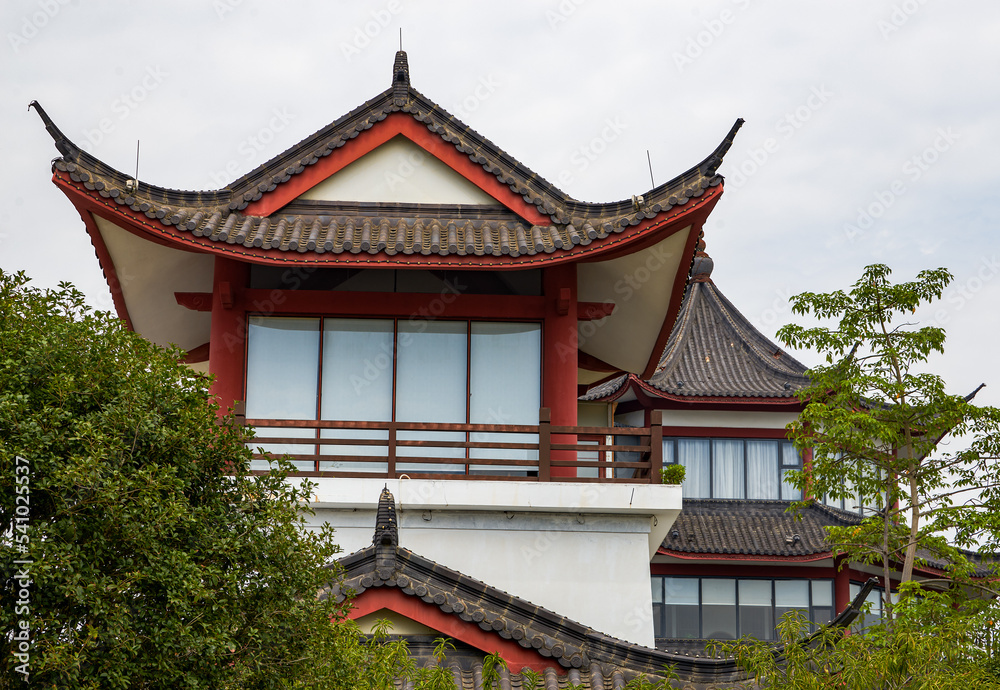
(841, 585)
(227, 348)
(559, 365)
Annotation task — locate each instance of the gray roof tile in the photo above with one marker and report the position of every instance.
(753, 528)
(581, 653)
(324, 228)
(713, 352)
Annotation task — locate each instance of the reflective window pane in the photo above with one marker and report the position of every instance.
(282, 368)
(756, 610)
(505, 363)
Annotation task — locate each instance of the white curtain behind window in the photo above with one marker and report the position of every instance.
(762, 469)
(727, 469)
(693, 453)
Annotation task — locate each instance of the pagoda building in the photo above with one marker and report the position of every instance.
(436, 337)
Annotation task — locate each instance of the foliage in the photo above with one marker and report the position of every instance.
(155, 559)
(673, 474)
(874, 423)
(956, 656)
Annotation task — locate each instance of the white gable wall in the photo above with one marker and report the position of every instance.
(580, 550)
(399, 171)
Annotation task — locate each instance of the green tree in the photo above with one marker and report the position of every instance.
(933, 645)
(149, 556)
(874, 421)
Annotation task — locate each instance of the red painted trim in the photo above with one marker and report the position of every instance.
(722, 432)
(198, 354)
(715, 570)
(592, 311)
(227, 352)
(449, 625)
(742, 557)
(395, 304)
(195, 301)
(613, 245)
(395, 124)
(559, 362)
(107, 264)
(841, 586)
(591, 363)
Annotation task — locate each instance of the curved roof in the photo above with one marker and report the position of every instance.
(735, 527)
(713, 352)
(586, 653)
(260, 217)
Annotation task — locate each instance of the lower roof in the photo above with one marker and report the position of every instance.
(586, 655)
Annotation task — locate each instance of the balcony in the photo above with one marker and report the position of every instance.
(510, 452)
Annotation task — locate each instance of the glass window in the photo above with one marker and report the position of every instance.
(876, 604)
(282, 366)
(735, 468)
(718, 609)
(727, 469)
(757, 609)
(852, 502)
(678, 598)
(356, 386)
(431, 386)
(762, 481)
(695, 455)
(504, 370)
(379, 370)
(726, 608)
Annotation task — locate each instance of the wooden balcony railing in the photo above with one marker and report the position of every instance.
(513, 452)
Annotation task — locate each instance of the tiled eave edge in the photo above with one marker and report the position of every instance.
(648, 393)
(570, 644)
(740, 556)
(145, 219)
(519, 185)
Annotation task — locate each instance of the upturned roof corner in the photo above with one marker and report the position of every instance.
(262, 214)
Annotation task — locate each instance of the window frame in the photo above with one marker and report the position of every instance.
(659, 608)
(782, 466)
(396, 321)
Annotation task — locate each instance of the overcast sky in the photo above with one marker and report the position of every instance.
(871, 134)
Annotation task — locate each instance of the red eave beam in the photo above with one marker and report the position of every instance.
(414, 608)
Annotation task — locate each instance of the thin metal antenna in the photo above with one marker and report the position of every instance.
(401, 38)
(650, 161)
(132, 186)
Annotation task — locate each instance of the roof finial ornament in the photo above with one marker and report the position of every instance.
(701, 267)
(400, 76)
(386, 537)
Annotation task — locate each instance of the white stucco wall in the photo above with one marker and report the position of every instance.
(580, 550)
(720, 418)
(399, 171)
